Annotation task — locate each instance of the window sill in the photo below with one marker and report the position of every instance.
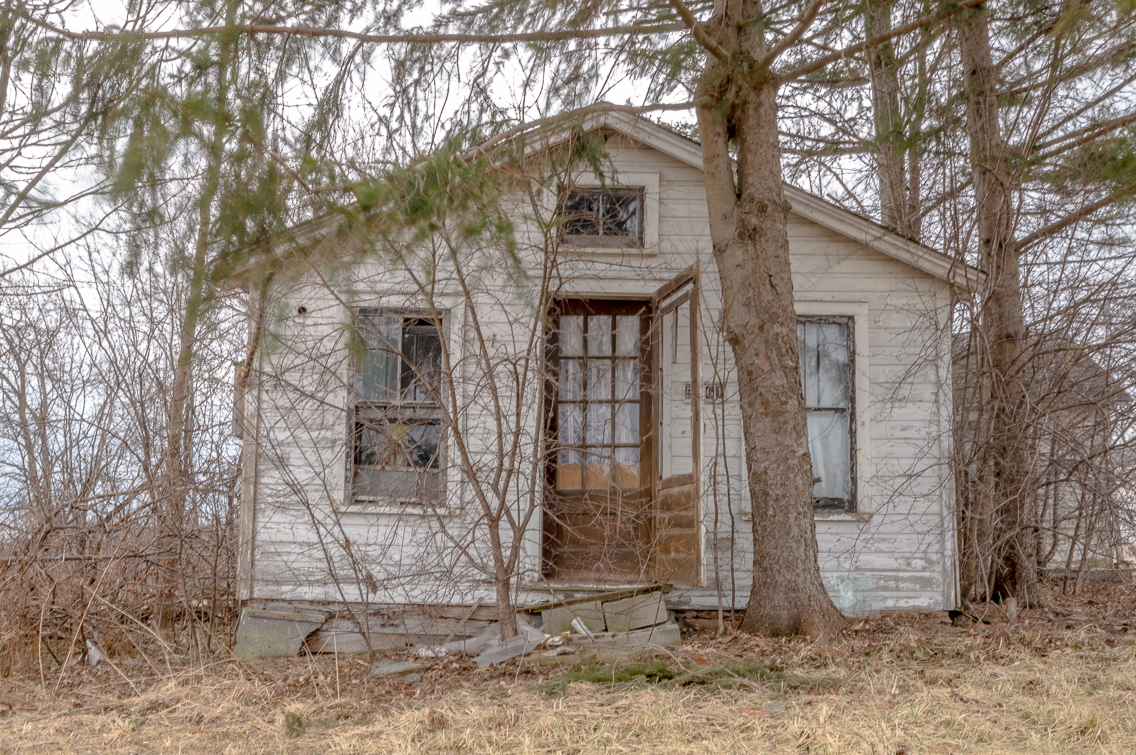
(830, 516)
(842, 516)
(600, 245)
(390, 507)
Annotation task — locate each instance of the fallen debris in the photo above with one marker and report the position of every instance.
(274, 634)
(395, 668)
(431, 651)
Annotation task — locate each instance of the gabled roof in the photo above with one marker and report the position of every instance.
(808, 206)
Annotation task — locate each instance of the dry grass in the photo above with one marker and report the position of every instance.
(1062, 680)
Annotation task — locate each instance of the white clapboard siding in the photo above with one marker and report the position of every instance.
(303, 543)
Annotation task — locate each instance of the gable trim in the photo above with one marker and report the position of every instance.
(804, 204)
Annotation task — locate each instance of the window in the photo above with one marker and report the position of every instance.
(598, 402)
(398, 437)
(826, 376)
(603, 217)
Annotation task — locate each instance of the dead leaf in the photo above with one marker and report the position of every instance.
(765, 710)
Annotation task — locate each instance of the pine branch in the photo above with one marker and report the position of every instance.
(402, 38)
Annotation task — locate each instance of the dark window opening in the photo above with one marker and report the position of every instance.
(398, 435)
(603, 216)
(827, 379)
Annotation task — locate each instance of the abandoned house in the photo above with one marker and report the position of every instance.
(426, 413)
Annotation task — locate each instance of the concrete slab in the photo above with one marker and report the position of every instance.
(635, 613)
(664, 635)
(273, 634)
(559, 619)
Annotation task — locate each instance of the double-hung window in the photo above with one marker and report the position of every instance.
(398, 432)
(603, 217)
(826, 376)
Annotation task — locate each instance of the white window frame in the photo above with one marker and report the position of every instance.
(858, 313)
(450, 481)
(648, 182)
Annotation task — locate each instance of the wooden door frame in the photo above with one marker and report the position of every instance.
(647, 456)
(650, 433)
(658, 311)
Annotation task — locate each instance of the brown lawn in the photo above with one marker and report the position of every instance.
(1062, 679)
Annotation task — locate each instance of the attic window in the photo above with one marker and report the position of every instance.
(603, 217)
(398, 430)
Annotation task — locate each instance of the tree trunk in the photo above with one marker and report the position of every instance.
(1004, 460)
(896, 208)
(748, 228)
(177, 480)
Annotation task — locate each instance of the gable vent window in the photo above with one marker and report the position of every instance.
(398, 434)
(826, 376)
(603, 217)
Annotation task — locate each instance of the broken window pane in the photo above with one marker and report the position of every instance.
(388, 443)
(621, 214)
(582, 213)
(615, 214)
(398, 427)
(421, 362)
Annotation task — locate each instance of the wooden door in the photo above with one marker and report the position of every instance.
(623, 402)
(676, 540)
(598, 522)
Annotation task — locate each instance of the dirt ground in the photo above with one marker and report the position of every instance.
(1061, 679)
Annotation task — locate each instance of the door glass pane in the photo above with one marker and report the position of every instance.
(597, 469)
(627, 335)
(627, 467)
(676, 455)
(572, 336)
(830, 448)
(599, 380)
(571, 421)
(627, 380)
(599, 402)
(627, 423)
(571, 379)
(599, 430)
(569, 469)
(599, 335)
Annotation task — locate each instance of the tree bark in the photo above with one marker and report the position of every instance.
(748, 228)
(179, 430)
(1003, 458)
(896, 210)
